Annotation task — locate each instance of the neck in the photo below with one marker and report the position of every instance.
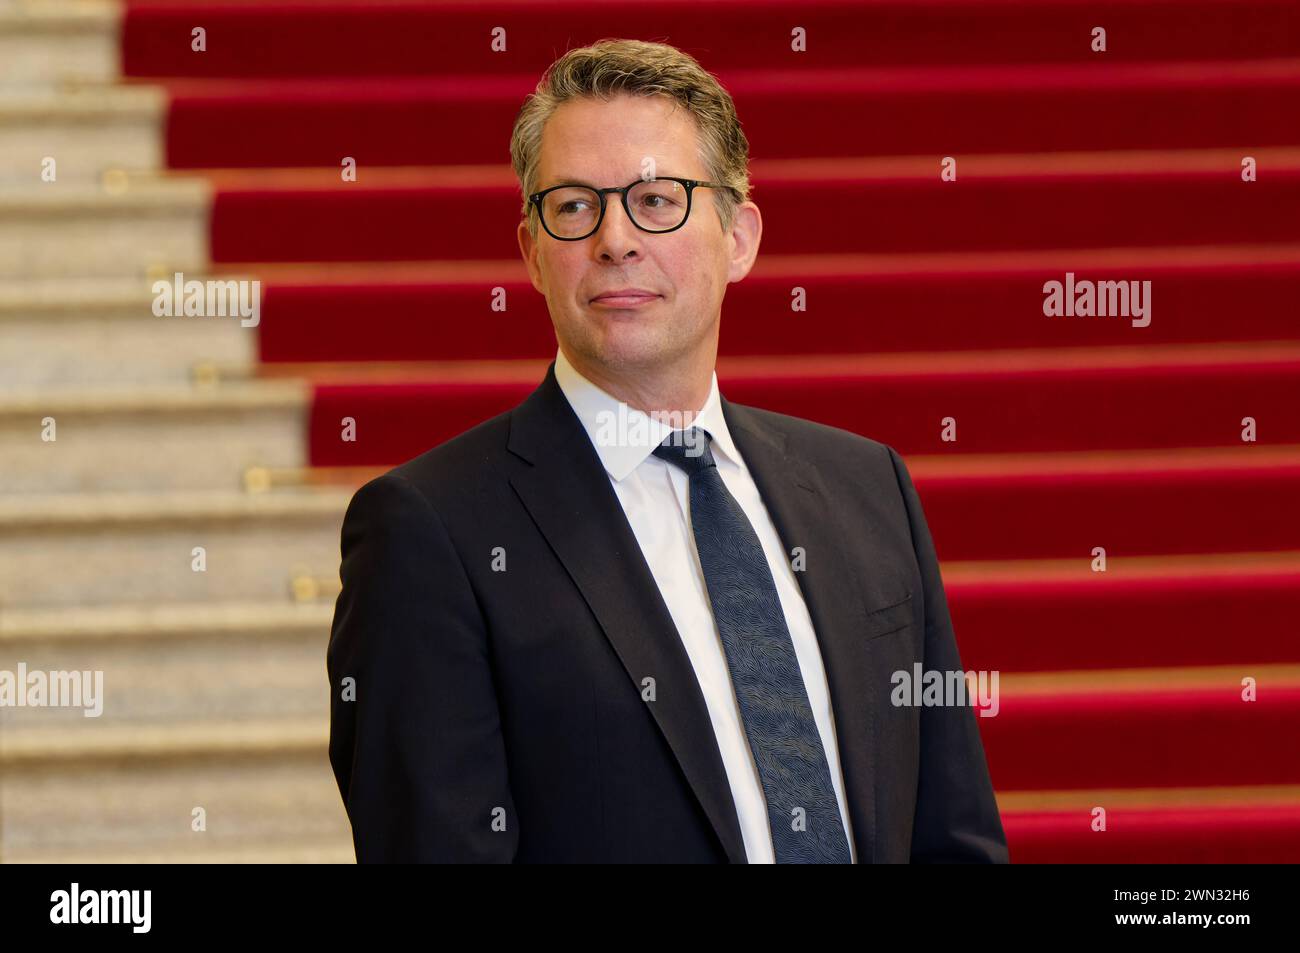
(679, 389)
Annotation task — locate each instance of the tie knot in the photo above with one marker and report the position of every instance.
(687, 449)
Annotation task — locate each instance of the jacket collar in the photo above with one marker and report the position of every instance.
(624, 436)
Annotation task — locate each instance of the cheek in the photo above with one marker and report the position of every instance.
(689, 269)
(561, 275)
(700, 273)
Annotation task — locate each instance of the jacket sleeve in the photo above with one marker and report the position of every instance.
(956, 819)
(415, 732)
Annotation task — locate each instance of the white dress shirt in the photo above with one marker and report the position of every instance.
(655, 496)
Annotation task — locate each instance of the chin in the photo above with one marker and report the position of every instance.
(616, 347)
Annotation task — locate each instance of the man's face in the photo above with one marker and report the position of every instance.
(606, 144)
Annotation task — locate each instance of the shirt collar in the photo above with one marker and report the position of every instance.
(624, 436)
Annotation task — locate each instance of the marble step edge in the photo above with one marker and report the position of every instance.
(85, 104)
(156, 399)
(261, 851)
(151, 621)
(118, 742)
(176, 197)
(60, 18)
(104, 297)
(177, 507)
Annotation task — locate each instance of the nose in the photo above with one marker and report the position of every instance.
(617, 237)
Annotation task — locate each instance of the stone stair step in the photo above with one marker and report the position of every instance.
(88, 132)
(60, 41)
(101, 790)
(137, 438)
(68, 229)
(78, 333)
(125, 548)
(174, 663)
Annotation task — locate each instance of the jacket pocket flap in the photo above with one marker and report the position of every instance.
(889, 618)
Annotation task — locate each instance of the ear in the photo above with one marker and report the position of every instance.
(528, 247)
(746, 233)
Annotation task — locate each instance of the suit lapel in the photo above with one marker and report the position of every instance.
(796, 498)
(568, 494)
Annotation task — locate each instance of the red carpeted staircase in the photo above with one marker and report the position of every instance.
(1120, 690)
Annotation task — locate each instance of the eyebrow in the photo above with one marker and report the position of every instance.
(577, 181)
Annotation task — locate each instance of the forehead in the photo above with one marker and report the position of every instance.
(605, 142)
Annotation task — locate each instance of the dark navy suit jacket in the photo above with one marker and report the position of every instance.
(498, 715)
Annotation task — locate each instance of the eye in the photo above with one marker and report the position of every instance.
(658, 200)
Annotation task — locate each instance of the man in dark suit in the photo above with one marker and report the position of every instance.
(629, 620)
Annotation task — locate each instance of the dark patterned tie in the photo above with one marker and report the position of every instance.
(764, 669)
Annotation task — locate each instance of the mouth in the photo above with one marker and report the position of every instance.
(626, 298)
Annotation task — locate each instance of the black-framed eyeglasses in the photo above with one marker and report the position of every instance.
(571, 213)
